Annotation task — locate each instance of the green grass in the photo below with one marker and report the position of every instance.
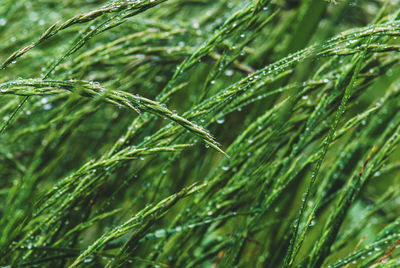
(176, 133)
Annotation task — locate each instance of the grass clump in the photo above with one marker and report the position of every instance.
(174, 133)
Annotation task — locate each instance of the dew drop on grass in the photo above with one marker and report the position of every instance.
(228, 72)
(3, 21)
(160, 233)
(95, 84)
(47, 106)
(225, 168)
(220, 120)
(87, 260)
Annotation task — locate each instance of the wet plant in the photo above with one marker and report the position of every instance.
(172, 133)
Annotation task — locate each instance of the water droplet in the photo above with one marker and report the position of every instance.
(220, 120)
(377, 174)
(228, 72)
(47, 106)
(88, 260)
(160, 233)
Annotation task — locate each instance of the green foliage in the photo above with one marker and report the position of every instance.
(175, 133)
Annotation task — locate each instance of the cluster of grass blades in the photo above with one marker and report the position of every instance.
(175, 133)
